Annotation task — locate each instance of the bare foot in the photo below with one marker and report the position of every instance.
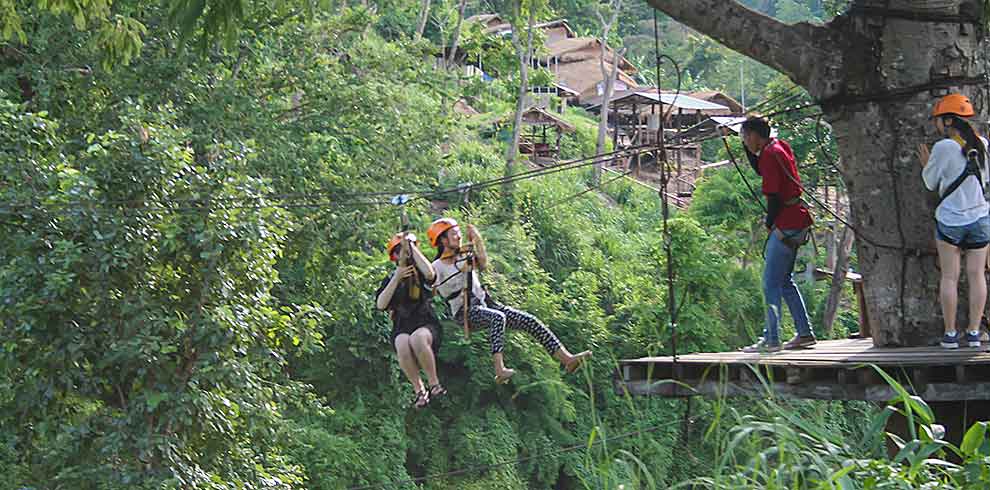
(575, 361)
(503, 376)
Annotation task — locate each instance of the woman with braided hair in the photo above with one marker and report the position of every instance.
(956, 167)
(455, 265)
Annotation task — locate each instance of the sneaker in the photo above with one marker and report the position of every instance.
(973, 339)
(800, 342)
(762, 346)
(984, 336)
(950, 341)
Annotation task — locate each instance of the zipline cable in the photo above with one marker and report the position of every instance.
(551, 206)
(665, 200)
(78, 206)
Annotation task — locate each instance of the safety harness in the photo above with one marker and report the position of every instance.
(972, 169)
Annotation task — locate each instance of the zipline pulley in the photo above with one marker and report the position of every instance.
(405, 253)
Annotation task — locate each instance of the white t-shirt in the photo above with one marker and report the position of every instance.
(967, 204)
(450, 280)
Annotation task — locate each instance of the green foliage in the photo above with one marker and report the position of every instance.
(190, 252)
(792, 445)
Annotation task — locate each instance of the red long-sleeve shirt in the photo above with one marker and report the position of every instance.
(775, 159)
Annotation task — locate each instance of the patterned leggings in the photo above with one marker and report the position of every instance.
(497, 317)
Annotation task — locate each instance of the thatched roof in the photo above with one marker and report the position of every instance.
(554, 30)
(577, 49)
(488, 20)
(534, 116)
(590, 94)
(462, 107)
(583, 77)
(565, 91)
(734, 107)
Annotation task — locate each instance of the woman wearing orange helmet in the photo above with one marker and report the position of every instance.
(454, 264)
(956, 167)
(416, 332)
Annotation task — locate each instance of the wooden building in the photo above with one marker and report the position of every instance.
(540, 134)
(635, 117)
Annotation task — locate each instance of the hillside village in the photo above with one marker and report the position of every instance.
(635, 111)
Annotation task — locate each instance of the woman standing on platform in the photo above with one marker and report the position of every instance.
(956, 167)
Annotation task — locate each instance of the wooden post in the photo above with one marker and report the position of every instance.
(679, 149)
(614, 113)
(838, 280)
(865, 331)
(638, 134)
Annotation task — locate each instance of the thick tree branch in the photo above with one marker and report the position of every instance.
(802, 51)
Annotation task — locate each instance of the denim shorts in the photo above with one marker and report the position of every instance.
(972, 236)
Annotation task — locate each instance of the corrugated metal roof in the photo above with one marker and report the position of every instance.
(682, 101)
(679, 101)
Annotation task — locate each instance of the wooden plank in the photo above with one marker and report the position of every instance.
(821, 355)
(932, 362)
(820, 391)
(922, 358)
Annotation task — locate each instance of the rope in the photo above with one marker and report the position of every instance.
(137, 207)
(784, 97)
(931, 17)
(732, 158)
(486, 467)
(672, 309)
(551, 206)
(891, 95)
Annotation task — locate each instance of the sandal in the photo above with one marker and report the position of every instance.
(503, 378)
(437, 391)
(577, 361)
(421, 401)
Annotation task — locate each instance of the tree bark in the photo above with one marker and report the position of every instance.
(866, 69)
(608, 78)
(455, 38)
(525, 58)
(838, 280)
(424, 15)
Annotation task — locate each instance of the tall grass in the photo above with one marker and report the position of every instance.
(782, 444)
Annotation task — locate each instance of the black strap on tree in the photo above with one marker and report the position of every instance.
(972, 169)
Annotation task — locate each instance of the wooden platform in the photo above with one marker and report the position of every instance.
(832, 370)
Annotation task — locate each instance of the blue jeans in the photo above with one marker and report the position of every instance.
(778, 281)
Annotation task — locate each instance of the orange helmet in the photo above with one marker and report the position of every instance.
(395, 241)
(439, 227)
(954, 104)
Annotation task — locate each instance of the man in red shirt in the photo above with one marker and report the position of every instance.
(789, 224)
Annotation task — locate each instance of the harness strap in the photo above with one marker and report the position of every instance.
(972, 169)
(793, 242)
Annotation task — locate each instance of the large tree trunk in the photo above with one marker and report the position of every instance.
(424, 15)
(455, 38)
(609, 81)
(525, 58)
(866, 70)
(608, 78)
